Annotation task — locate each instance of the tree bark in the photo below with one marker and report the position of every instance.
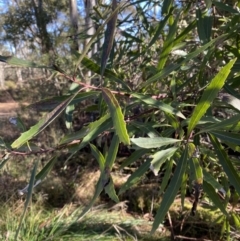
(74, 23)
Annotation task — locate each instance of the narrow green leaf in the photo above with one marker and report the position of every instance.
(226, 163)
(171, 67)
(196, 170)
(228, 123)
(227, 136)
(43, 123)
(95, 128)
(112, 76)
(212, 180)
(204, 26)
(20, 62)
(171, 191)
(166, 6)
(110, 190)
(225, 7)
(99, 157)
(147, 143)
(51, 103)
(158, 104)
(112, 152)
(209, 95)
(109, 37)
(135, 177)
(75, 136)
(98, 190)
(134, 157)
(210, 191)
(28, 199)
(159, 29)
(160, 157)
(117, 116)
(46, 169)
(236, 220)
(168, 43)
(167, 176)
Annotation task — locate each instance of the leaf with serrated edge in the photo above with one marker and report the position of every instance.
(117, 116)
(145, 142)
(226, 163)
(209, 95)
(171, 191)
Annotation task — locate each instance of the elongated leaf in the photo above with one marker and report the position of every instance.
(46, 169)
(99, 157)
(28, 199)
(98, 190)
(112, 152)
(159, 29)
(209, 95)
(42, 124)
(117, 116)
(204, 26)
(51, 103)
(75, 136)
(212, 180)
(134, 157)
(228, 123)
(135, 177)
(109, 189)
(227, 136)
(20, 62)
(226, 163)
(160, 157)
(196, 170)
(171, 191)
(88, 63)
(225, 7)
(96, 128)
(210, 191)
(168, 43)
(166, 6)
(145, 142)
(109, 36)
(167, 176)
(171, 67)
(146, 128)
(158, 104)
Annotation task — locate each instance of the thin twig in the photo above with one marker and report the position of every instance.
(171, 226)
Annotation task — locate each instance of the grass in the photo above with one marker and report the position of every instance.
(61, 224)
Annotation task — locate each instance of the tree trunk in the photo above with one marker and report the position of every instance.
(74, 23)
(42, 21)
(90, 28)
